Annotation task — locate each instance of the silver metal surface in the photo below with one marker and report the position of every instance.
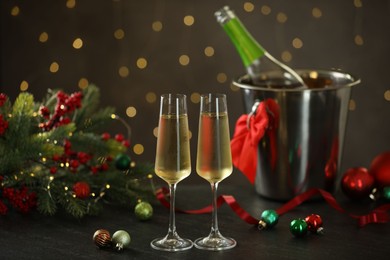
(303, 144)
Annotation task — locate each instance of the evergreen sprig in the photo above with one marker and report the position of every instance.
(55, 149)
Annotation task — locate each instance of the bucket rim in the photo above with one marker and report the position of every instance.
(238, 82)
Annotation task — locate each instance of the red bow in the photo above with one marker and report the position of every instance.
(244, 145)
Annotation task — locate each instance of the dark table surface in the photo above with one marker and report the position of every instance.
(35, 236)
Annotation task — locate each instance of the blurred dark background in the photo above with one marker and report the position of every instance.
(136, 50)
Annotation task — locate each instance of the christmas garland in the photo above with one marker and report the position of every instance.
(55, 155)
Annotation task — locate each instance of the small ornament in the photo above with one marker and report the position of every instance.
(122, 162)
(386, 192)
(314, 224)
(81, 190)
(298, 227)
(268, 219)
(357, 183)
(143, 211)
(120, 240)
(380, 169)
(102, 238)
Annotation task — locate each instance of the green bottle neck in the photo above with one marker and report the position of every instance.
(248, 48)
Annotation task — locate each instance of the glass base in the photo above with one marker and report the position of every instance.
(215, 243)
(171, 244)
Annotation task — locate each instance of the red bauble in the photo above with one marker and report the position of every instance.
(81, 190)
(357, 183)
(314, 223)
(380, 169)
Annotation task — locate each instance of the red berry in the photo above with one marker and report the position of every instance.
(53, 170)
(104, 167)
(94, 169)
(74, 164)
(106, 136)
(126, 143)
(83, 157)
(3, 99)
(119, 137)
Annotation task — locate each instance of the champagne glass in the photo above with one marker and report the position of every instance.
(173, 162)
(214, 161)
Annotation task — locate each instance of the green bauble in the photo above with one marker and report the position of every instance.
(120, 240)
(270, 217)
(122, 162)
(386, 192)
(143, 211)
(298, 227)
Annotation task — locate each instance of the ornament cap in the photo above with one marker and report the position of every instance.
(119, 246)
(320, 231)
(262, 225)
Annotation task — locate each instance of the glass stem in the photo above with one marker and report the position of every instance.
(172, 226)
(214, 222)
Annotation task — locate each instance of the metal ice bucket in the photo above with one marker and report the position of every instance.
(303, 144)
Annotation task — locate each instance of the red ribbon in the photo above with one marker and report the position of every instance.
(248, 132)
(378, 215)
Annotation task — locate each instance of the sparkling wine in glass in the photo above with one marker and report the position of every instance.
(173, 162)
(214, 161)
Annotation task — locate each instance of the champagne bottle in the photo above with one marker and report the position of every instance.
(262, 68)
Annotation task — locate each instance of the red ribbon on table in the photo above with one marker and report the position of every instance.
(378, 215)
(248, 132)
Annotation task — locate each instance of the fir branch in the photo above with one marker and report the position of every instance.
(89, 142)
(115, 147)
(24, 105)
(98, 120)
(90, 102)
(58, 133)
(27, 156)
(46, 204)
(76, 207)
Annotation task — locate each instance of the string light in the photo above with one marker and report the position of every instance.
(157, 26)
(54, 67)
(188, 20)
(15, 11)
(316, 12)
(281, 17)
(352, 105)
(265, 9)
(221, 77)
(43, 37)
(151, 97)
(23, 86)
(155, 132)
(131, 111)
(286, 56)
(195, 97)
(209, 51)
(184, 60)
(119, 34)
(123, 71)
(138, 149)
(358, 40)
(249, 7)
(387, 95)
(142, 63)
(77, 43)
